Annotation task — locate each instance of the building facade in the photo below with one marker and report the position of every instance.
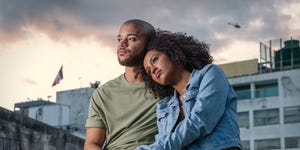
(269, 109)
(268, 95)
(78, 101)
(56, 115)
(69, 112)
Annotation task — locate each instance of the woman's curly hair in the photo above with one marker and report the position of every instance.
(185, 51)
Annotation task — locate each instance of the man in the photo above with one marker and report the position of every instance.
(121, 114)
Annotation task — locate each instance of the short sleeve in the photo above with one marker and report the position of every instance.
(95, 113)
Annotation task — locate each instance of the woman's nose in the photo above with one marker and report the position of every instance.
(153, 69)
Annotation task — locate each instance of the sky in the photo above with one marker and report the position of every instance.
(38, 36)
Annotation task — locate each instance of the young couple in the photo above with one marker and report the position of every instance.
(170, 90)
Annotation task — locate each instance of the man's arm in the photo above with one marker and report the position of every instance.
(94, 139)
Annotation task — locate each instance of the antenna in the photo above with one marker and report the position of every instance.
(49, 96)
(79, 78)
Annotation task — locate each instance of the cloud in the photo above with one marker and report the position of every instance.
(65, 20)
(29, 81)
(60, 20)
(37, 36)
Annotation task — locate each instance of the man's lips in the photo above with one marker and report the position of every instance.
(121, 52)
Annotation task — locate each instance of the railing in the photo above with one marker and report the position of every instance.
(276, 56)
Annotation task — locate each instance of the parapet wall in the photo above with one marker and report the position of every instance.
(18, 132)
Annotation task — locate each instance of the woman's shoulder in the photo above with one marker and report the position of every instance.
(207, 68)
(164, 102)
(210, 66)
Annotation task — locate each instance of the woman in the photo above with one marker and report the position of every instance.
(198, 109)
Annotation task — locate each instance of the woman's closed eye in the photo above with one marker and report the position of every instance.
(153, 59)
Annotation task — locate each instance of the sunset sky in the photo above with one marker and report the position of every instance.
(38, 36)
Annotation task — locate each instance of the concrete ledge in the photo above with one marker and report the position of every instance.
(18, 132)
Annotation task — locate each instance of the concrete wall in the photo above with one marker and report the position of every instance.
(78, 100)
(54, 115)
(18, 132)
(247, 67)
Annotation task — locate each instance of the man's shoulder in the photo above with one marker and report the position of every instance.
(114, 82)
(110, 85)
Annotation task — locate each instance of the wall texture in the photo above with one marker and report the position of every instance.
(18, 132)
(78, 100)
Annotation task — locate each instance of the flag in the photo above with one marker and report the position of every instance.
(58, 77)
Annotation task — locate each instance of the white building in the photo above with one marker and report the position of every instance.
(268, 99)
(54, 115)
(78, 101)
(269, 109)
(69, 112)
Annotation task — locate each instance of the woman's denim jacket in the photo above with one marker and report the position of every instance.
(210, 115)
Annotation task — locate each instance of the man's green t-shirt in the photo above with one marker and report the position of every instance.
(127, 114)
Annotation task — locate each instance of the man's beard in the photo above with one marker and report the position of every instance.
(134, 60)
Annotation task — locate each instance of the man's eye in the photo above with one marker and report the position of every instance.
(132, 38)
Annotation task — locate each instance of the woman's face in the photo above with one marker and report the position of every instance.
(160, 67)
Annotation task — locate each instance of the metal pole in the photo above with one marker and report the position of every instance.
(270, 56)
(260, 45)
(292, 54)
(281, 65)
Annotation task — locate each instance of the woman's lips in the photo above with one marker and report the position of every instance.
(157, 73)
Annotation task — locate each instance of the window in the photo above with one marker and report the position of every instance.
(242, 92)
(246, 145)
(266, 89)
(292, 114)
(266, 117)
(261, 89)
(243, 119)
(267, 144)
(292, 142)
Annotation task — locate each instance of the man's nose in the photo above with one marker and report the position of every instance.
(123, 43)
